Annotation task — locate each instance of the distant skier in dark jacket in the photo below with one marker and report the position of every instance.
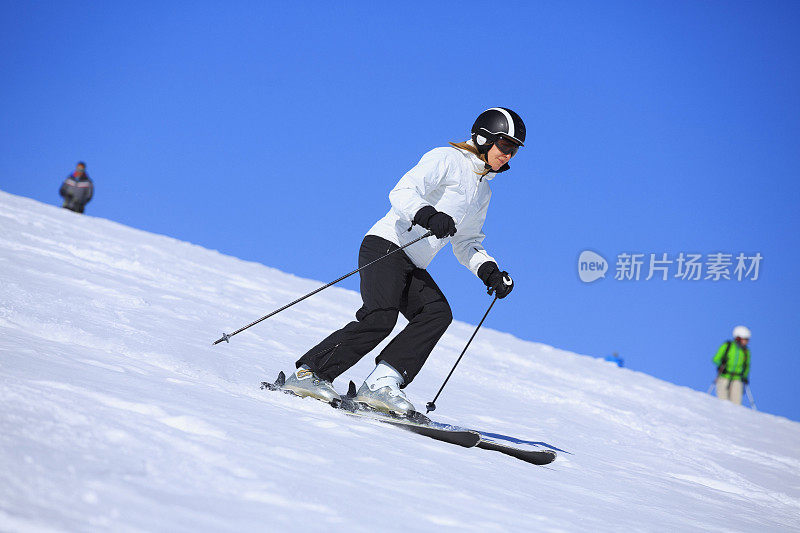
(77, 190)
(448, 193)
(733, 366)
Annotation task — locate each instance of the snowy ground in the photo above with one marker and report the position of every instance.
(116, 413)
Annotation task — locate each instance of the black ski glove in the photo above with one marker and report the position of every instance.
(441, 224)
(499, 282)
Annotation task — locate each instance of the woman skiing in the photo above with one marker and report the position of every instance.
(446, 193)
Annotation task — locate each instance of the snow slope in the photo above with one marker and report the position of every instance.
(116, 413)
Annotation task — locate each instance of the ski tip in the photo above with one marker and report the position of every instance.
(548, 458)
(351, 390)
(281, 379)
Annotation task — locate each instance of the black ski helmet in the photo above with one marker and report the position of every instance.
(497, 122)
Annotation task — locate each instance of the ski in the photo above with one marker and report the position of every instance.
(537, 453)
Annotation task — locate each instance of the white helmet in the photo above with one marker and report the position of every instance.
(741, 332)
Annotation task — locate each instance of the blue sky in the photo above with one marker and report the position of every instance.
(274, 132)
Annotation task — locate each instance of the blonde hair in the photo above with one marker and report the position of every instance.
(470, 148)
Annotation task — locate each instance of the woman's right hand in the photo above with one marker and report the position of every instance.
(441, 224)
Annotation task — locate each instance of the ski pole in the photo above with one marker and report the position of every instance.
(225, 337)
(750, 397)
(431, 406)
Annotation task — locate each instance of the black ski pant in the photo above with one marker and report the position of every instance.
(391, 286)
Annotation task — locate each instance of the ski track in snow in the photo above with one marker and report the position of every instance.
(118, 414)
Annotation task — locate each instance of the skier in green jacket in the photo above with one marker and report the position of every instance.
(733, 366)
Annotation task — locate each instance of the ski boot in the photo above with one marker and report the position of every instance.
(381, 392)
(303, 382)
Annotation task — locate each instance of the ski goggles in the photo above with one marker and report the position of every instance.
(506, 146)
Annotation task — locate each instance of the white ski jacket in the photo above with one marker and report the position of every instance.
(448, 179)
